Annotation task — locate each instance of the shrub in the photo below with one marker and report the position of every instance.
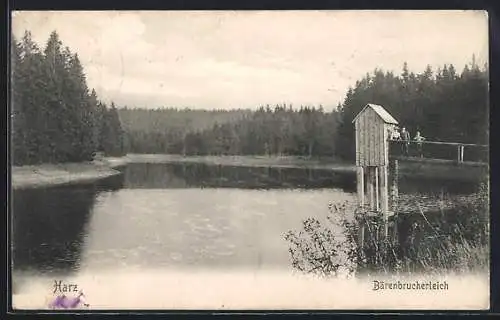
(454, 240)
(320, 249)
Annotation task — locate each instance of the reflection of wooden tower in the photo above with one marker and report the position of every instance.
(373, 126)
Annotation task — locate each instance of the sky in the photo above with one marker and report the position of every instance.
(243, 59)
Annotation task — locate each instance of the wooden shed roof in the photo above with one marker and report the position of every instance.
(382, 113)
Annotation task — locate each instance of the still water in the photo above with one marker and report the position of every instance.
(173, 216)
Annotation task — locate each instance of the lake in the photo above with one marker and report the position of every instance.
(184, 217)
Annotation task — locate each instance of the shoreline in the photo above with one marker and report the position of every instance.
(410, 169)
(247, 161)
(58, 174)
(45, 175)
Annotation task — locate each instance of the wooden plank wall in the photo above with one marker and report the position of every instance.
(371, 136)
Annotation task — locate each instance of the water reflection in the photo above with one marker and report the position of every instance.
(49, 225)
(53, 228)
(196, 175)
(189, 175)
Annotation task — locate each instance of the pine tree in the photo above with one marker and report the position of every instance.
(55, 118)
(29, 86)
(58, 132)
(423, 102)
(18, 117)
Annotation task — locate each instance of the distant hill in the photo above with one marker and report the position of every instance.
(280, 130)
(179, 120)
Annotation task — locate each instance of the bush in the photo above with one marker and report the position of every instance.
(434, 242)
(320, 249)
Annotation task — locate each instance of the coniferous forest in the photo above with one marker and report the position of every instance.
(423, 102)
(277, 130)
(444, 105)
(57, 118)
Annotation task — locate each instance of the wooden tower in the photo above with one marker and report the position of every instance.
(373, 126)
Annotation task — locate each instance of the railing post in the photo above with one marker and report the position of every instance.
(459, 158)
(377, 190)
(394, 184)
(371, 187)
(460, 153)
(361, 186)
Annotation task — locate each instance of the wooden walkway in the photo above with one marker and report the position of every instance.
(377, 174)
(440, 161)
(460, 151)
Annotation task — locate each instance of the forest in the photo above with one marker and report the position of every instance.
(54, 116)
(57, 118)
(278, 130)
(444, 105)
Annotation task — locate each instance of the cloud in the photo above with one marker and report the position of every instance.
(232, 59)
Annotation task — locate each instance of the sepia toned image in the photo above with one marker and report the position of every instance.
(249, 160)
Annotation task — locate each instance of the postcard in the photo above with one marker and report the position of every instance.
(250, 160)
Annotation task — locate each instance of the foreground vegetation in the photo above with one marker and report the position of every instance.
(448, 241)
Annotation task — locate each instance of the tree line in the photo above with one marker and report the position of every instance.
(278, 130)
(443, 105)
(55, 117)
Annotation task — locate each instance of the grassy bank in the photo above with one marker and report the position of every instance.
(44, 175)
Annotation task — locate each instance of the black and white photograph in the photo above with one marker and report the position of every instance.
(249, 160)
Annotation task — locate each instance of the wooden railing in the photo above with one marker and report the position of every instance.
(437, 150)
